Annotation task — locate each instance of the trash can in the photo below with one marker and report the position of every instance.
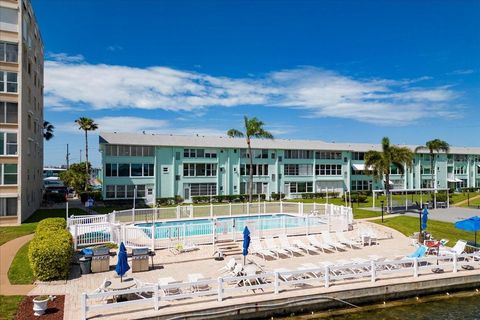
(85, 264)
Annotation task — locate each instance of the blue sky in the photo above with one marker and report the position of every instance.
(330, 70)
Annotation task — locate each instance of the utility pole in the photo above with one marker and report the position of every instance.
(67, 157)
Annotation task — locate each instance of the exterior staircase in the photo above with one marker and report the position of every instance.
(229, 248)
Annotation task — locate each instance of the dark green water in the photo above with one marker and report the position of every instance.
(449, 309)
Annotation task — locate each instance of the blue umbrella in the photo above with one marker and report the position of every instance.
(424, 219)
(246, 243)
(122, 263)
(471, 224)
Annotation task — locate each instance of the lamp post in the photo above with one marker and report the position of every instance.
(420, 225)
(381, 202)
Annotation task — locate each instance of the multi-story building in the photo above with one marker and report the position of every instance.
(159, 166)
(21, 111)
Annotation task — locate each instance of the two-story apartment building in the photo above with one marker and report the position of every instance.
(159, 166)
(21, 111)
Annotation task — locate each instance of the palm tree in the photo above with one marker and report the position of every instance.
(253, 129)
(379, 163)
(435, 145)
(86, 124)
(48, 130)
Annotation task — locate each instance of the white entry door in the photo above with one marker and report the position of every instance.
(186, 193)
(150, 195)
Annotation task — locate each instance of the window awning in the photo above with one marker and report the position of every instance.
(359, 167)
(454, 180)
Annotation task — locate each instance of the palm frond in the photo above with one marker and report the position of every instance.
(234, 133)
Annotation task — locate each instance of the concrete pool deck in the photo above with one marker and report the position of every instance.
(179, 266)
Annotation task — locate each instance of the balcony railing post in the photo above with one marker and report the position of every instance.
(327, 276)
(220, 289)
(455, 263)
(415, 267)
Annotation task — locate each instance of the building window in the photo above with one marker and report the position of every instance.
(328, 169)
(8, 51)
(148, 170)
(125, 191)
(8, 143)
(136, 169)
(298, 154)
(8, 112)
(8, 174)
(361, 185)
(358, 156)
(123, 170)
(203, 189)
(460, 170)
(8, 82)
(301, 187)
(256, 153)
(199, 169)
(328, 155)
(8, 206)
(257, 170)
(199, 153)
(298, 169)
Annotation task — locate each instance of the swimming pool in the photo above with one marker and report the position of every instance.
(198, 227)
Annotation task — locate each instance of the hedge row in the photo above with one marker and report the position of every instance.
(315, 195)
(226, 198)
(169, 201)
(51, 250)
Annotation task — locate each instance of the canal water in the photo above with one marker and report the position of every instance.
(453, 308)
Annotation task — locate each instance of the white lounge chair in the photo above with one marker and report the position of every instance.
(287, 246)
(342, 239)
(307, 247)
(312, 266)
(457, 249)
(329, 241)
(316, 243)
(229, 266)
(199, 282)
(103, 288)
(258, 249)
(169, 281)
(272, 246)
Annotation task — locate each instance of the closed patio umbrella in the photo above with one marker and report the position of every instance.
(424, 219)
(246, 243)
(122, 264)
(471, 224)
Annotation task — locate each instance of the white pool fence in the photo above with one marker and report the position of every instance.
(146, 228)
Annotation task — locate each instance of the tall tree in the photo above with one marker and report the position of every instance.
(435, 145)
(86, 124)
(253, 129)
(76, 176)
(378, 163)
(48, 130)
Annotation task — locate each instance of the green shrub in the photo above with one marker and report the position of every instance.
(165, 201)
(51, 224)
(321, 195)
(277, 196)
(359, 197)
(50, 253)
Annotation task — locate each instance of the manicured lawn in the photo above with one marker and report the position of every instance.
(8, 306)
(362, 213)
(28, 227)
(439, 229)
(20, 271)
(10, 233)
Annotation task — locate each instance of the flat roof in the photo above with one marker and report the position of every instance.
(171, 140)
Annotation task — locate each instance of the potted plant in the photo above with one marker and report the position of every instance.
(40, 304)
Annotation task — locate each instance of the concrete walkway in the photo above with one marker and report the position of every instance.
(461, 203)
(7, 253)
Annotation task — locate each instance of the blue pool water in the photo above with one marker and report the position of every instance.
(197, 227)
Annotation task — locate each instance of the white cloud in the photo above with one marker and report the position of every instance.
(321, 93)
(462, 72)
(138, 124)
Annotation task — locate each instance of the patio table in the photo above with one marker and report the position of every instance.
(116, 284)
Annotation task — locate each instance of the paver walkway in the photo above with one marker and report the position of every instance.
(7, 253)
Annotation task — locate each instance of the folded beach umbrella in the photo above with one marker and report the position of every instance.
(424, 218)
(471, 224)
(122, 264)
(246, 243)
